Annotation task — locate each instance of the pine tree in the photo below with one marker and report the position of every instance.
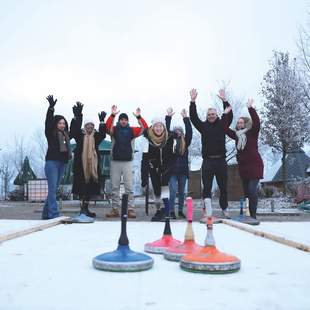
(285, 126)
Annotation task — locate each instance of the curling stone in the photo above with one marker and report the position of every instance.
(123, 259)
(189, 245)
(244, 217)
(166, 241)
(81, 218)
(209, 259)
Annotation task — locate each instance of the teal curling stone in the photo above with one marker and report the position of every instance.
(246, 220)
(123, 259)
(82, 218)
(243, 218)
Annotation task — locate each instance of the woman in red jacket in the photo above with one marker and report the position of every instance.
(250, 163)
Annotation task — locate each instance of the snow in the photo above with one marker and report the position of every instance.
(52, 269)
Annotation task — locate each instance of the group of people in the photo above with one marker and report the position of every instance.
(164, 160)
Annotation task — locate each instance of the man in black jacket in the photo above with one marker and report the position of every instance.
(213, 151)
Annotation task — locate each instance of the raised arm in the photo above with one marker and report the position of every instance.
(138, 131)
(254, 116)
(225, 121)
(193, 111)
(188, 128)
(101, 134)
(49, 120)
(111, 119)
(76, 122)
(223, 97)
(168, 118)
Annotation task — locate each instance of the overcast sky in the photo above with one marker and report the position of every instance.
(134, 53)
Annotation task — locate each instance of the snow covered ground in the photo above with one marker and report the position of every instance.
(52, 269)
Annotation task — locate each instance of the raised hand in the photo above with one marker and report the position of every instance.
(222, 94)
(114, 110)
(184, 113)
(102, 116)
(228, 109)
(51, 101)
(77, 108)
(250, 103)
(193, 94)
(137, 113)
(170, 112)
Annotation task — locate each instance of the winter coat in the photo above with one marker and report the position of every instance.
(250, 163)
(122, 139)
(212, 134)
(79, 185)
(53, 149)
(178, 164)
(122, 149)
(158, 159)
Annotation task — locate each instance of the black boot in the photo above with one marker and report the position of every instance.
(172, 215)
(181, 214)
(85, 210)
(158, 216)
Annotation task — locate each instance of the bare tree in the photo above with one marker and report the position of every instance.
(19, 150)
(39, 147)
(304, 60)
(6, 172)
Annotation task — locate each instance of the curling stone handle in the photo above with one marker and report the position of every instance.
(123, 239)
(189, 207)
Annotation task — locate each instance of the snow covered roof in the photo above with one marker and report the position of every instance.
(296, 165)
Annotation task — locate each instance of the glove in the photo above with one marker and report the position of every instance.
(77, 109)
(51, 101)
(101, 116)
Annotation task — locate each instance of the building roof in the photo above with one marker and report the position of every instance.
(297, 164)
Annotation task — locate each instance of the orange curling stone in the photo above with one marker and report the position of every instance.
(210, 260)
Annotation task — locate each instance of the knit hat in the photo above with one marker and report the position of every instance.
(175, 128)
(88, 121)
(157, 120)
(122, 116)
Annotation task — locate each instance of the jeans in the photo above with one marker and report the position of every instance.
(215, 167)
(177, 182)
(54, 171)
(250, 191)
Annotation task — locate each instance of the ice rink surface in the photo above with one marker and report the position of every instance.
(52, 269)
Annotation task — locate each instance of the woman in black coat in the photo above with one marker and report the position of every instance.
(57, 156)
(86, 164)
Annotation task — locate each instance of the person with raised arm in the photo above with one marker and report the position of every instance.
(179, 171)
(251, 166)
(57, 156)
(213, 152)
(86, 164)
(122, 136)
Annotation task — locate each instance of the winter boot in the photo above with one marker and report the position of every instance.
(181, 214)
(131, 214)
(113, 213)
(158, 216)
(172, 215)
(85, 210)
